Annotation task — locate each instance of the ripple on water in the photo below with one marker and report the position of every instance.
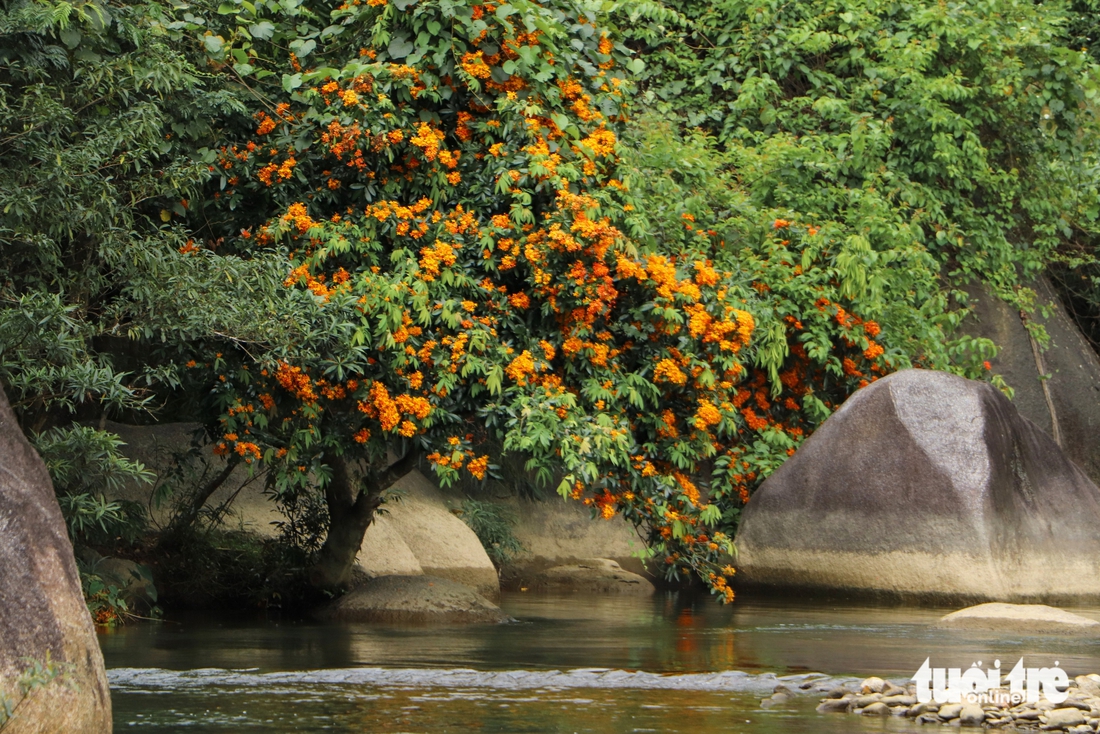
(133, 680)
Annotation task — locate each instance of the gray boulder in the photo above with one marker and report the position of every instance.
(413, 600)
(1070, 396)
(926, 484)
(44, 622)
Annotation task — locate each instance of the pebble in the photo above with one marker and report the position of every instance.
(872, 685)
(834, 705)
(878, 708)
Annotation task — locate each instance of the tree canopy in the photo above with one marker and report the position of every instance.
(646, 248)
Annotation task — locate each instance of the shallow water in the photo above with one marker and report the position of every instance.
(665, 664)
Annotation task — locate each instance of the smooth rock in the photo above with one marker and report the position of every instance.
(876, 709)
(950, 711)
(971, 715)
(1063, 718)
(384, 551)
(937, 479)
(1076, 703)
(902, 700)
(833, 705)
(413, 600)
(441, 543)
(592, 575)
(863, 701)
(1088, 685)
(923, 708)
(873, 684)
(1020, 619)
(43, 617)
(776, 699)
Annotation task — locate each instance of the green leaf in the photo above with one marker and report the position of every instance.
(291, 82)
(262, 31)
(399, 48)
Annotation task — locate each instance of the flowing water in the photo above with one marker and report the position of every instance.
(673, 663)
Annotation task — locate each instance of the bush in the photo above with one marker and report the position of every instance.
(493, 523)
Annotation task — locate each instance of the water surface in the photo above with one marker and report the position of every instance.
(571, 664)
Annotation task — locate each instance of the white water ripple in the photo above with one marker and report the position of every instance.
(158, 679)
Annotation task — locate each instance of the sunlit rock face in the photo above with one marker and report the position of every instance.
(927, 484)
(43, 618)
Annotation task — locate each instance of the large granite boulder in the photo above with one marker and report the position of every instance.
(1059, 386)
(43, 619)
(420, 534)
(417, 534)
(925, 483)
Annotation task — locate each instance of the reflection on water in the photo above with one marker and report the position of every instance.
(669, 634)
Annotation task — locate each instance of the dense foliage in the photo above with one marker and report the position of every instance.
(967, 129)
(335, 234)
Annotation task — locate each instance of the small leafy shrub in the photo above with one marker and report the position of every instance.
(84, 463)
(493, 523)
(216, 568)
(116, 596)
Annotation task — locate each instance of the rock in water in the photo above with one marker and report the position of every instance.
(413, 600)
(593, 575)
(1024, 619)
(925, 483)
(43, 617)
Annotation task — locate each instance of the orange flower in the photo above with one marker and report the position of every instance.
(873, 351)
(667, 371)
(478, 466)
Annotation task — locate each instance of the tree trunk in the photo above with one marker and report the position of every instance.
(352, 502)
(187, 515)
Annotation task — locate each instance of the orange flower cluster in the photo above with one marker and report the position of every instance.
(388, 411)
(428, 139)
(272, 171)
(474, 65)
(668, 371)
(520, 367)
(707, 415)
(296, 382)
(478, 467)
(432, 258)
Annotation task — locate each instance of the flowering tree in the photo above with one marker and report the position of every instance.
(451, 196)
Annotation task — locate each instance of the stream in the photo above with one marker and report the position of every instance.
(572, 663)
